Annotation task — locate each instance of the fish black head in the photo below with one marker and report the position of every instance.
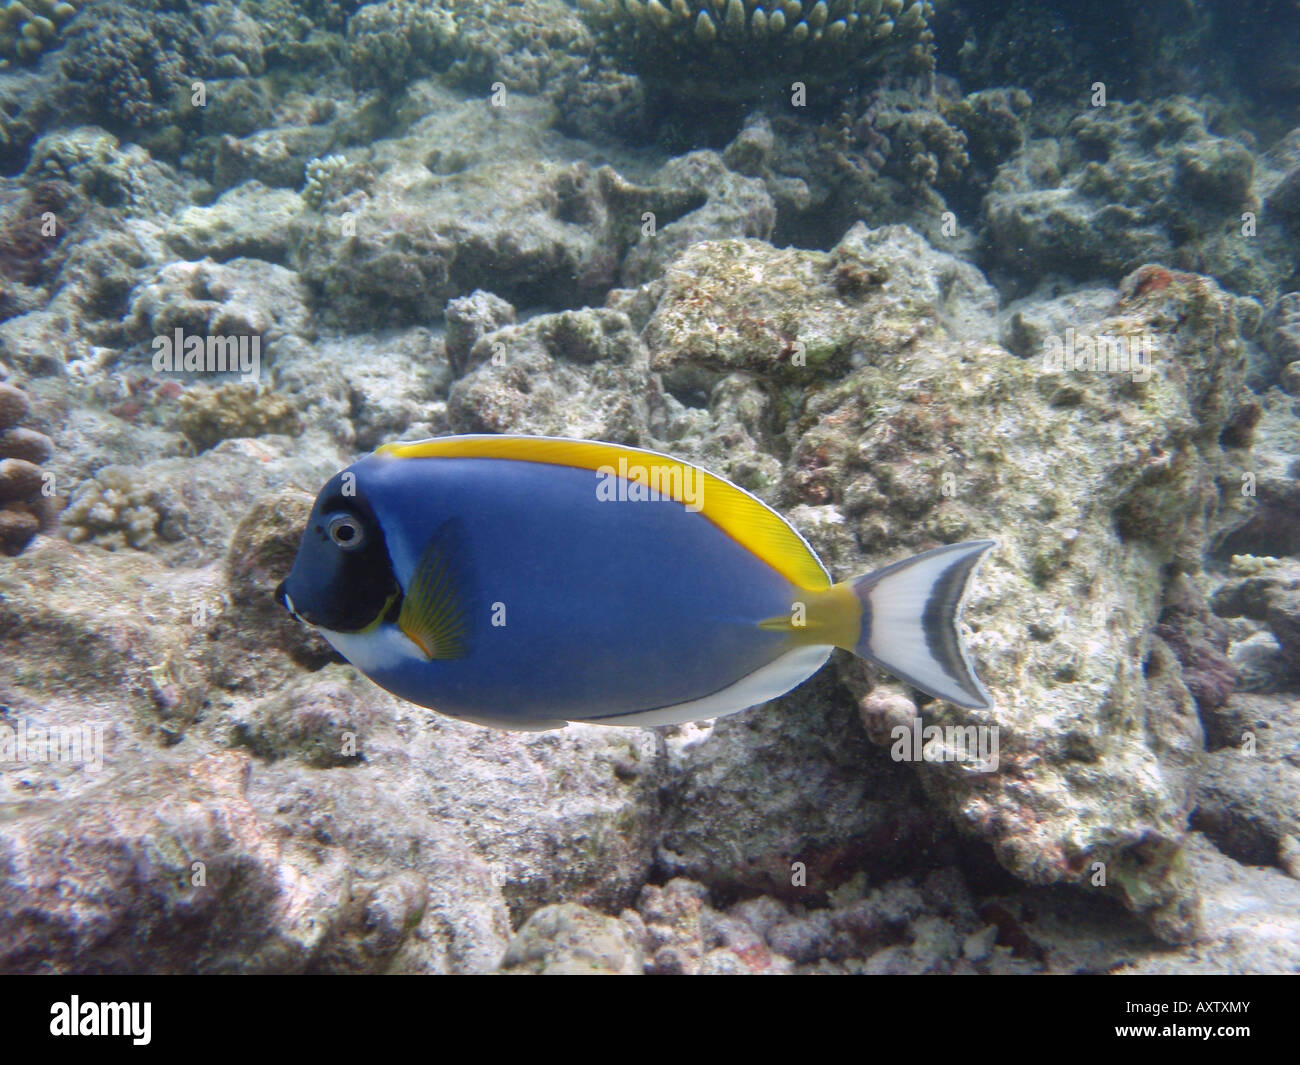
(342, 578)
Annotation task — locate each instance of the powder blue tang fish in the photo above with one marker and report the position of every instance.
(524, 582)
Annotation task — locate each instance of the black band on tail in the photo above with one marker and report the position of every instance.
(910, 612)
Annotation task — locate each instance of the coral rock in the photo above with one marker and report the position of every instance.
(719, 48)
(25, 509)
(208, 416)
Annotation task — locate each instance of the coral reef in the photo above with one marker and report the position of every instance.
(1250, 791)
(725, 204)
(34, 226)
(572, 940)
(235, 107)
(730, 48)
(26, 508)
(277, 157)
(469, 319)
(250, 221)
(1280, 339)
(1052, 50)
(867, 445)
(27, 106)
(887, 156)
(209, 415)
(625, 221)
(239, 298)
(1058, 51)
(130, 68)
(754, 797)
(118, 509)
(578, 374)
(97, 277)
(198, 500)
(929, 922)
(1264, 590)
(262, 546)
(1272, 489)
(1200, 641)
(581, 833)
(793, 326)
(539, 47)
(390, 43)
(318, 173)
(435, 221)
(841, 385)
(106, 171)
(235, 38)
(29, 28)
(302, 35)
(163, 892)
(1130, 184)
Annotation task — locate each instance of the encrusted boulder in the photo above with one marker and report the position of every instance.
(1100, 480)
(26, 504)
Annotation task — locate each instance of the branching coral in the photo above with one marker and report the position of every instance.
(318, 174)
(735, 44)
(29, 27)
(117, 509)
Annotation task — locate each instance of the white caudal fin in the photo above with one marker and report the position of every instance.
(910, 612)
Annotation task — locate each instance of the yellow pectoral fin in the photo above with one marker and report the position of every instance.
(830, 617)
(433, 608)
(428, 646)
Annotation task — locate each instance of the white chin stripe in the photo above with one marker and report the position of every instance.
(383, 648)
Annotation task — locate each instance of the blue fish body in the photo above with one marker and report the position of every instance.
(524, 583)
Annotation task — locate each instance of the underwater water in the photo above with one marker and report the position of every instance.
(898, 274)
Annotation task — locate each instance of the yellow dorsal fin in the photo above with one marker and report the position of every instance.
(748, 521)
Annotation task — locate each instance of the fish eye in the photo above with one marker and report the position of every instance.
(346, 531)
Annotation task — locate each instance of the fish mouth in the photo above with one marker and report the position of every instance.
(282, 597)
